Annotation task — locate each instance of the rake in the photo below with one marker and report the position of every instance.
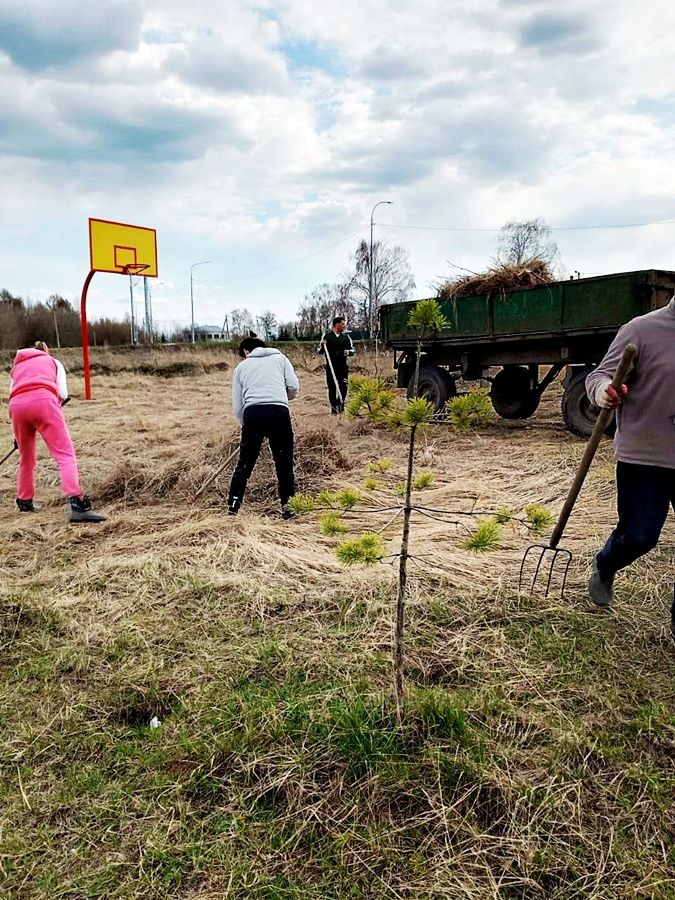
(5, 458)
(337, 383)
(558, 557)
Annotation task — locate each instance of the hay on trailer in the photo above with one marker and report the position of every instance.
(499, 280)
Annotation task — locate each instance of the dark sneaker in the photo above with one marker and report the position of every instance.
(233, 506)
(601, 587)
(287, 514)
(81, 511)
(26, 506)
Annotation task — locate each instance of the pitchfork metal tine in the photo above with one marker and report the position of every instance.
(555, 553)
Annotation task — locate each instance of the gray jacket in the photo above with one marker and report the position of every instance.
(646, 420)
(265, 376)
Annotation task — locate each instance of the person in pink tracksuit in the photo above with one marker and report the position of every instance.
(37, 391)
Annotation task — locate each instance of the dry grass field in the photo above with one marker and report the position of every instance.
(537, 759)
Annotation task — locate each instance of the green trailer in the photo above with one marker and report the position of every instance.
(531, 334)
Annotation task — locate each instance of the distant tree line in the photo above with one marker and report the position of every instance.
(371, 280)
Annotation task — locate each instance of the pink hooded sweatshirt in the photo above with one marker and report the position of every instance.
(33, 369)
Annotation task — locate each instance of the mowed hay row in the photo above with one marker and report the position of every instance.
(319, 458)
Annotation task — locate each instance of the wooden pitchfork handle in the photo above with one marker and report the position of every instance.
(601, 423)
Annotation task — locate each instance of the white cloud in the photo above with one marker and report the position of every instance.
(255, 133)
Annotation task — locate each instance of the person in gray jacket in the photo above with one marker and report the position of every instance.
(262, 385)
(644, 444)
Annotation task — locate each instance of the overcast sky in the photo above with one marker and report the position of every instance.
(258, 135)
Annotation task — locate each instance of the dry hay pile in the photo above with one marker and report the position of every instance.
(499, 280)
(318, 460)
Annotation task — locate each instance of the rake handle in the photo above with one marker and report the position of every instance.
(209, 481)
(601, 423)
(5, 458)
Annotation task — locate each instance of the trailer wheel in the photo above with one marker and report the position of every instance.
(512, 395)
(434, 384)
(577, 410)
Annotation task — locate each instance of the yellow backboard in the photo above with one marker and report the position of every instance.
(114, 246)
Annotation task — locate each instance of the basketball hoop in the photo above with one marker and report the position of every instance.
(135, 268)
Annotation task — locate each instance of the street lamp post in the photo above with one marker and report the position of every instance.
(370, 267)
(192, 298)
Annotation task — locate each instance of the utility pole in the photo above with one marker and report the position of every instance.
(371, 267)
(149, 325)
(133, 317)
(52, 306)
(192, 298)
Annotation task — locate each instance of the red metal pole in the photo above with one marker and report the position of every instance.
(85, 336)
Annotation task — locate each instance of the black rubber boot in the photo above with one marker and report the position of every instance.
(26, 506)
(81, 511)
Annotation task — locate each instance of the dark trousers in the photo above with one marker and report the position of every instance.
(271, 421)
(341, 374)
(644, 495)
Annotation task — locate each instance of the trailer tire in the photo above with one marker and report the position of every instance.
(511, 393)
(434, 384)
(578, 412)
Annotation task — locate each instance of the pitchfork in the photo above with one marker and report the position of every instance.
(560, 554)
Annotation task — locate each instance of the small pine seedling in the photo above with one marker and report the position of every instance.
(379, 466)
(347, 498)
(423, 480)
(365, 550)
(369, 397)
(470, 410)
(370, 484)
(327, 498)
(417, 411)
(331, 524)
(485, 538)
(538, 517)
(503, 515)
(301, 504)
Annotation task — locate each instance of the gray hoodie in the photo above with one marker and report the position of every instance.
(265, 376)
(645, 432)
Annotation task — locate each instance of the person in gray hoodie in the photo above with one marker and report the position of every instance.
(644, 444)
(262, 385)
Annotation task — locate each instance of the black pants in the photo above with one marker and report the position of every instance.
(271, 421)
(341, 374)
(644, 494)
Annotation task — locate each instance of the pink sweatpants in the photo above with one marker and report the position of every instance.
(39, 412)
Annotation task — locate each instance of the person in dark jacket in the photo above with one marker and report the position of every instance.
(262, 385)
(337, 346)
(644, 444)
